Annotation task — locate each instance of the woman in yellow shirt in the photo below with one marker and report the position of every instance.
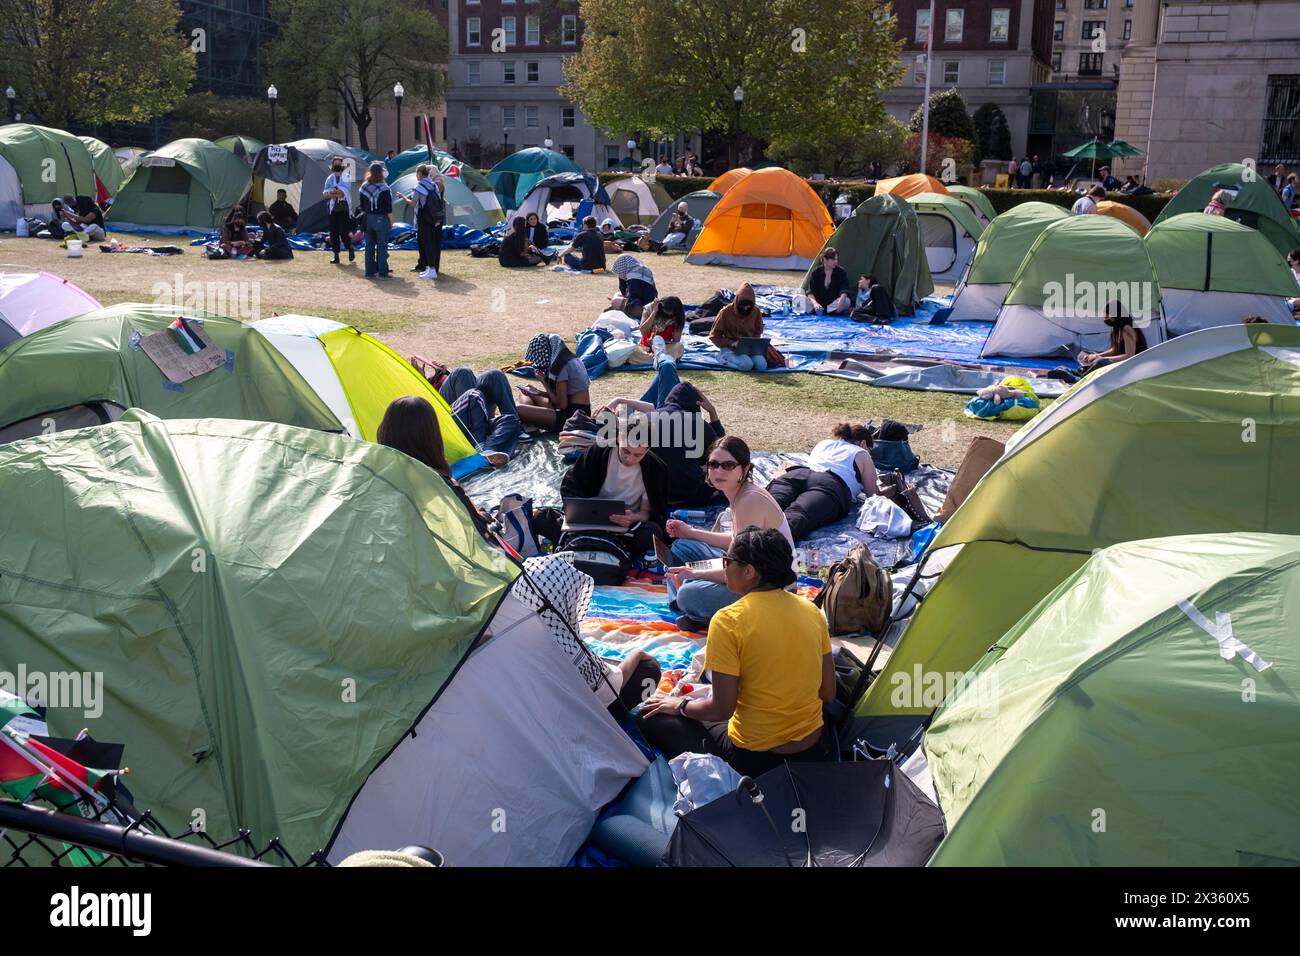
(769, 657)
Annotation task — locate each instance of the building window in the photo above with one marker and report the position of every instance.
(951, 72)
(471, 3)
(1056, 62)
(508, 117)
(508, 31)
(532, 30)
(1128, 4)
(473, 33)
(1059, 33)
(419, 128)
(1090, 64)
(1092, 27)
(1000, 31)
(922, 25)
(472, 70)
(568, 30)
(1096, 4)
(997, 72)
(567, 150)
(1060, 5)
(532, 71)
(953, 25)
(508, 72)
(530, 117)
(471, 117)
(444, 129)
(1128, 29)
(1281, 138)
(611, 155)
(568, 117)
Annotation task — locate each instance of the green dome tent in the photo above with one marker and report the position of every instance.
(303, 635)
(1059, 295)
(187, 185)
(406, 161)
(949, 231)
(1200, 435)
(1255, 205)
(28, 155)
(698, 206)
(883, 238)
(976, 200)
(998, 254)
(245, 147)
(105, 163)
(88, 370)
(462, 206)
(514, 177)
(1213, 271)
(1144, 714)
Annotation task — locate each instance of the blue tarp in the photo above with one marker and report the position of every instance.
(400, 236)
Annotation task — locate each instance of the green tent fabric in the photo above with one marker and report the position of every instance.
(1199, 435)
(272, 608)
(245, 147)
(38, 164)
(957, 209)
(97, 358)
(515, 176)
(1256, 204)
(105, 163)
(462, 206)
(1088, 247)
(1009, 237)
(882, 238)
(976, 199)
(1117, 725)
(189, 184)
(1212, 253)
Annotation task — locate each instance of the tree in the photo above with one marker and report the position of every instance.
(355, 51)
(845, 156)
(209, 116)
(947, 158)
(95, 61)
(948, 116)
(807, 68)
(992, 135)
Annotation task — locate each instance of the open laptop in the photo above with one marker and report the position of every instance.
(752, 345)
(592, 514)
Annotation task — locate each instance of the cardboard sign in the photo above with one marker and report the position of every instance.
(174, 362)
(277, 154)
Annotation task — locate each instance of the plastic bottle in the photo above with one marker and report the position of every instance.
(690, 516)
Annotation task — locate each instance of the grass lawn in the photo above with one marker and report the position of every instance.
(481, 315)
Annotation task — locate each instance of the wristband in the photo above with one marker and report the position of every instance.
(681, 708)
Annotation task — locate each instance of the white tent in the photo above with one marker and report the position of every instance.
(634, 201)
(30, 301)
(557, 198)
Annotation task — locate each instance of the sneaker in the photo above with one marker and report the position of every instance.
(335, 261)
(417, 269)
(657, 345)
(497, 459)
(429, 273)
(687, 623)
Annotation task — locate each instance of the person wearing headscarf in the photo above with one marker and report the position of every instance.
(739, 319)
(565, 384)
(636, 286)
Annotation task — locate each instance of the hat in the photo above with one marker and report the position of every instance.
(377, 167)
(607, 222)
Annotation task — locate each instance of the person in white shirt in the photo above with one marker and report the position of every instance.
(664, 168)
(338, 195)
(1087, 205)
(822, 492)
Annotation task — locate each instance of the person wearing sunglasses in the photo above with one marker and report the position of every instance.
(698, 595)
(828, 287)
(769, 659)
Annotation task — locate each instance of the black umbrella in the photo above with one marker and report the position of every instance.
(864, 813)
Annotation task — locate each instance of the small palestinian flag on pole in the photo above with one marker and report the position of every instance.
(186, 336)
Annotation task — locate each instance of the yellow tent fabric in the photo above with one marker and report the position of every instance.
(372, 375)
(905, 187)
(728, 179)
(1125, 214)
(771, 219)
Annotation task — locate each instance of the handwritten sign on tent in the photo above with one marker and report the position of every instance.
(183, 350)
(277, 154)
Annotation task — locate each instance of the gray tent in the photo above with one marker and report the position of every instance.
(883, 239)
(301, 168)
(699, 204)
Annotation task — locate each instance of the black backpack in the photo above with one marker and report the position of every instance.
(433, 211)
(601, 556)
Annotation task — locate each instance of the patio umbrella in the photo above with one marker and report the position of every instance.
(1095, 149)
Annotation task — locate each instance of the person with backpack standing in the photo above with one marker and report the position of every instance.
(340, 208)
(430, 216)
(1026, 172)
(377, 207)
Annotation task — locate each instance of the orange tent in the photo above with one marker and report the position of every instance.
(729, 179)
(1125, 214)
(905, 187)
(770, 219)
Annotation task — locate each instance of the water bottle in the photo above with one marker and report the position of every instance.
(690, 516)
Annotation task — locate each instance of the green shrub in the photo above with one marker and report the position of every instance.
(1004, 199)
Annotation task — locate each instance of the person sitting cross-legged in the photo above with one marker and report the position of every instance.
(828, 287)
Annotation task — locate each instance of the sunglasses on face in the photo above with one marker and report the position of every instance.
(728, 559)
(724, 465)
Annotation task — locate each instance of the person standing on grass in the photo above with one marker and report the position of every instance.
(339, 201)
(430, 215)
(377, 208)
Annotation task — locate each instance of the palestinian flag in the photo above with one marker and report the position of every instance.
(186, 337)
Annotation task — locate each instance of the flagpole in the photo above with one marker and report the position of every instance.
(51, 770)
(929, 71)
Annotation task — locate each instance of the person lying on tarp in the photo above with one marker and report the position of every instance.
(516, 250)
(828, 286)
(565, 384)
(769, 659)
(873, 302)
(485, 407)
(627, 471)
(683, 424)
(274, 243)
(285, 216)
(741, 318)
(823, 491)
(636, 286)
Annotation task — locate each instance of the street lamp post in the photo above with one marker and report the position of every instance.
(272, 94)
(506, 149)
(548, 142)
(398, 93)
(12, 95)
(631, 147)
(739, 96)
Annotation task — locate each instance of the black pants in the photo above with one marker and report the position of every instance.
(810, 499)
(634, 688)
(673, 735)
(429, 238)
(340, 228)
